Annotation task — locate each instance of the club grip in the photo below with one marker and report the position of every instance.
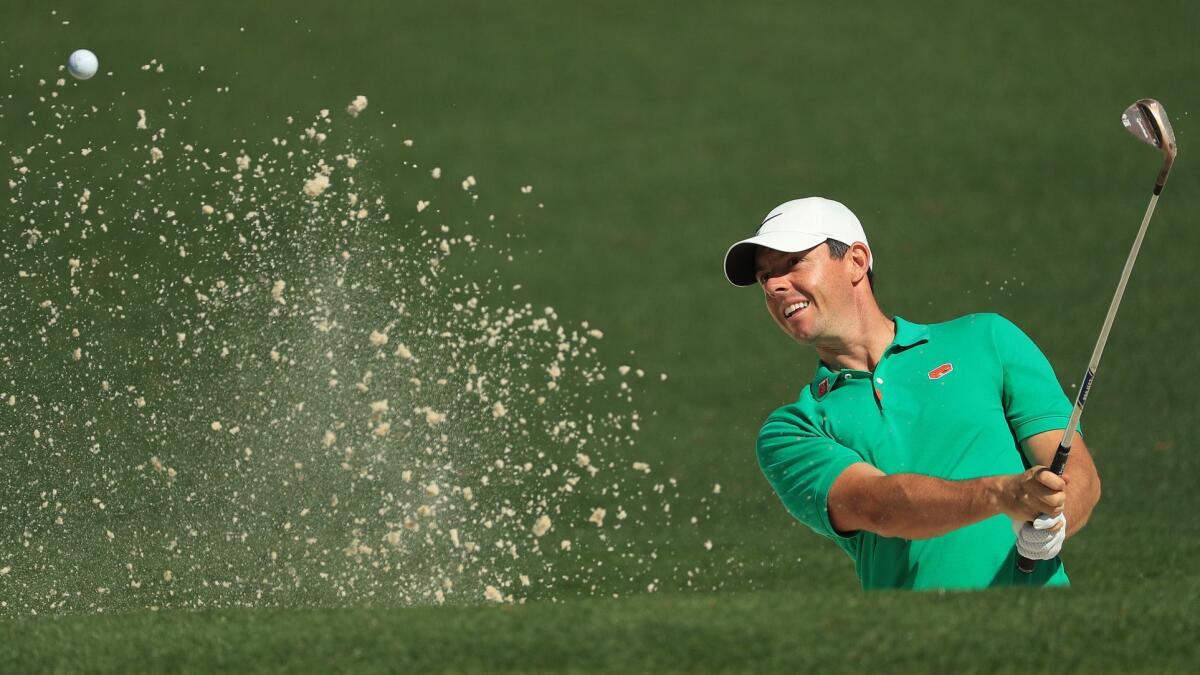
(1058, 465)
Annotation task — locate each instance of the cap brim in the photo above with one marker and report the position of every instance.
(739, 259)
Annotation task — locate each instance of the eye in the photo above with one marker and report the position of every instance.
(794, 260)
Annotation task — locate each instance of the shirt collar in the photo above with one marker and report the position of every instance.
(908, 334)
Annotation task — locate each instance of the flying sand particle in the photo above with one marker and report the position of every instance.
(597, 516)
(356, 106)
(316, 185)
(277, 291)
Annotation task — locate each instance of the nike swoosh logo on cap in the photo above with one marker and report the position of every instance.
(760, 227)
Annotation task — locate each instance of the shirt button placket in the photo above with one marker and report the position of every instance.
(878, 387)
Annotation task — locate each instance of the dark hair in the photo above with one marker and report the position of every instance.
(838, 250)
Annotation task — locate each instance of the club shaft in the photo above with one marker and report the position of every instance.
(1098, 351)
(1064, 447)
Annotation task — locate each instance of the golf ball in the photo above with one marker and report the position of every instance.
(82, 64)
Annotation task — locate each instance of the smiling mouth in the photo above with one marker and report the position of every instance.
(793, 308)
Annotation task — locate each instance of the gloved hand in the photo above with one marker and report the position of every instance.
(1043, 538)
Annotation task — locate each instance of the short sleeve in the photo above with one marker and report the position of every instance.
(1034, 401)
(801, 465)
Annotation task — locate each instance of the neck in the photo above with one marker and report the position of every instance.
(860, 345)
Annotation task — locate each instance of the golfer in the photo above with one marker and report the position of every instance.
(919, 449)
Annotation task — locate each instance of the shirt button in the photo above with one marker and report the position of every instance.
(879, 380)
(846, 376)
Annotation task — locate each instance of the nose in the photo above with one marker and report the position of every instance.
(777, 284)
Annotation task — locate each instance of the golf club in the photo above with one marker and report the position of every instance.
(1147, 120)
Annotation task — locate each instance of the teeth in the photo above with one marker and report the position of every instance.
(793, 308)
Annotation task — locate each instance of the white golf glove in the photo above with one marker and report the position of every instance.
(1035, 540)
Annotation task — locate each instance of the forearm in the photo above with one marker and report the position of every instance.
(1083, 492)
(913, 506)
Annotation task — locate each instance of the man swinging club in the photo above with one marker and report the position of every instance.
(919, 449)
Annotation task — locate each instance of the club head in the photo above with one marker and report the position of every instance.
(1147, 120)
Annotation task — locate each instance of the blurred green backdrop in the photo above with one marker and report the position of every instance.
(980, 146)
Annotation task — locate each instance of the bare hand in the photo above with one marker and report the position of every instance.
(1027, 495)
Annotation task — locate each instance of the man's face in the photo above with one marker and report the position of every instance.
(807, 293)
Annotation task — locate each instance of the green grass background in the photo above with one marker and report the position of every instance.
(980, 146)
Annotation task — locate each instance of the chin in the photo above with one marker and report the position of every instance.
(800, 335)
(802, 332)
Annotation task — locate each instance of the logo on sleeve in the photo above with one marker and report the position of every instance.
(941, 371)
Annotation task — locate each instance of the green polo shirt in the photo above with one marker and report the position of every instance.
(951, 400)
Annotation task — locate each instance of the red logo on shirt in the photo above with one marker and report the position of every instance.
(939, 372)
(823, 388)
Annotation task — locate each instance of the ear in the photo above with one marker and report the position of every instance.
(858, 257)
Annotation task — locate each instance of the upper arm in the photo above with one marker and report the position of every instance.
(850, 498)
(802, 465)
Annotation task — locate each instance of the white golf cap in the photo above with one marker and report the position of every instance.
(791, 227)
